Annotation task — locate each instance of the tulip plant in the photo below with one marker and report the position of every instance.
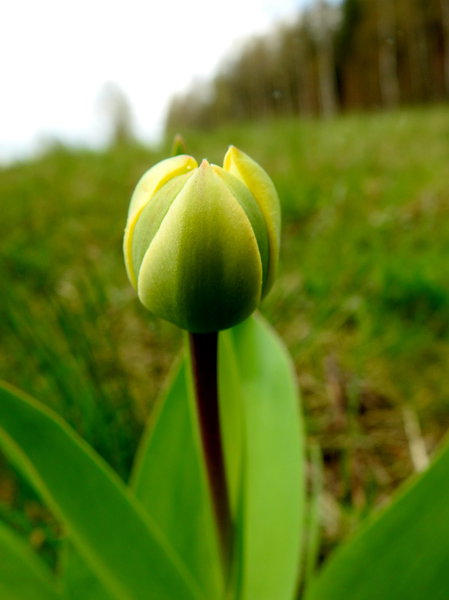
(215, 506)
(201, 249)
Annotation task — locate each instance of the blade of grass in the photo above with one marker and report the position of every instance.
(313, 514)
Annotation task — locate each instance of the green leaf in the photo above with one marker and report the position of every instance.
(402, 553)
(22, 574)
(169, 480)
(270, 518)
(78, 579)
(118, 541)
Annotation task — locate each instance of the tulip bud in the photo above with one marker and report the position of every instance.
(201, 243)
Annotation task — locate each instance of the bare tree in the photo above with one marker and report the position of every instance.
(116, 114)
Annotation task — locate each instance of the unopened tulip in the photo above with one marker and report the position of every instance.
(202, 242)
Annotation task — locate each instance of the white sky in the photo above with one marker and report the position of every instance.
(57, 56)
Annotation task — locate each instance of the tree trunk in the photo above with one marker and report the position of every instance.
(326, 63)
(445, 23)
(388, 68)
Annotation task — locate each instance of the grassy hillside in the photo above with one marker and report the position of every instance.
(362, 298)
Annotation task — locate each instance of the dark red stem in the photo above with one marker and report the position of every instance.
(204, 350)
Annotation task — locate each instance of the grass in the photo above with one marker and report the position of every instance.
(362, 297)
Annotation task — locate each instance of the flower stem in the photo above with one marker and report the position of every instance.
(204, 348)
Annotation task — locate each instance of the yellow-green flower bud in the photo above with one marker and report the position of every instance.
(201, 243)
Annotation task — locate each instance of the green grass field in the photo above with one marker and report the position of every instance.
(362, 297)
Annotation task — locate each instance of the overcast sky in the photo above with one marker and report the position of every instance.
(58, 55)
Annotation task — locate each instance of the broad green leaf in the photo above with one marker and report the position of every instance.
(169, 480)
(22, 574)
(118, 541)
(78, 580)
(402, 553)
(270, 520)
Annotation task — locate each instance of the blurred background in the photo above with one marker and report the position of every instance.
(346, 106)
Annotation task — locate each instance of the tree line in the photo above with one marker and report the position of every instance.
(357, 55)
